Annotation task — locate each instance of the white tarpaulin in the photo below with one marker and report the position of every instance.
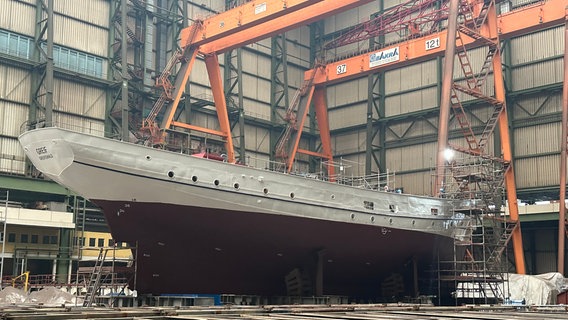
(539, 289)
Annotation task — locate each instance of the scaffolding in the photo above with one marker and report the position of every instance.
(477, 270)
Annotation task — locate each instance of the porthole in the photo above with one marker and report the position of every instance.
(265, 190)
(332, 196)
(216, 182)
(352, 216)
(170, 174)
(148, 158)
(236, 185)
(390, 221)
(413, 222)
(372, 219)
(194, 178)
(292, 195)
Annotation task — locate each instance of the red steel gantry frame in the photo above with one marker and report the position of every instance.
(414, 50)
(250, 22)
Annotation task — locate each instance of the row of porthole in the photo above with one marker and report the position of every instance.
(216, 182)
(390, 220)
(171, 174)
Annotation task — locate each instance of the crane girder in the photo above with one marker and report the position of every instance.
(301, 17)
(517, 22)
(248, 15)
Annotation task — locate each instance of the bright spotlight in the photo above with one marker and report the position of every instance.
(448, 154)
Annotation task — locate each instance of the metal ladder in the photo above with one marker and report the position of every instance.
(291, 117)
(95, 279)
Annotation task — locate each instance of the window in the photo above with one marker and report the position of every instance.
(111, 242)
(11, 237)
(76, 61)
(16, 45)
(24, 238)
(101, 243)
(1, 237)
(45, 240)
(65, 58)
(34, 238)
(79, 241)
(53, 239)
(369, 205)
(92, 242)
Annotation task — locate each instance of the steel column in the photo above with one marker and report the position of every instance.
(375, 105)
(279, 98)
(445, 104)
(42, 77)
(124, 133)
(563, 156)
(233, 89)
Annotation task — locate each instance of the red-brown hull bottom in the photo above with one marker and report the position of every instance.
(201, 250)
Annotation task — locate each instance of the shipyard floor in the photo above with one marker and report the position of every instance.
(293, 312)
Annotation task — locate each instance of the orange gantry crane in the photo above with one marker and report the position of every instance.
(233, 28)
(480, 26)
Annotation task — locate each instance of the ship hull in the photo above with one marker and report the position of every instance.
(200, 250)
(204, 226)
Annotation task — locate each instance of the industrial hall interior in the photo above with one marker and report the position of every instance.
(284, 151)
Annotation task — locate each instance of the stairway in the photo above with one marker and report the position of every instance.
(95, 279)
(292, 118)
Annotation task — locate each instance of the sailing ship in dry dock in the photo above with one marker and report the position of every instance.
(207, 226)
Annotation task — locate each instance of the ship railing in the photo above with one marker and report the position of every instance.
(95, 128)
(379, 181)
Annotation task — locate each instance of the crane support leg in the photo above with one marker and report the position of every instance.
(301, 115)
(214, 72)
(188, 59)
(323, 125)
(506, 147)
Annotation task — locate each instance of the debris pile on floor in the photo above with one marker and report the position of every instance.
(52, 296)
(11, 295)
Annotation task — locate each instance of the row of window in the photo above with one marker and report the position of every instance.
(96, 242)
(27, 238)
(72, 60)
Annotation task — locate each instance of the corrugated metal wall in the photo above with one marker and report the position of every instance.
(18, 16)
(82, 28)
(545, 255)
(14, 100)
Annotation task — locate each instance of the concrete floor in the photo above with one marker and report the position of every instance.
(295, 312)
